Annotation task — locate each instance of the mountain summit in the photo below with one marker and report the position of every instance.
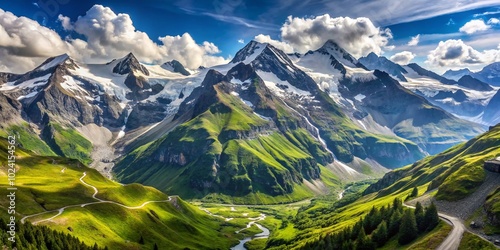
(129, 64)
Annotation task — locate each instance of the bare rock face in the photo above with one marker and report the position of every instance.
(129, 64)
(56, 102)
(10, 109)
(176, 66)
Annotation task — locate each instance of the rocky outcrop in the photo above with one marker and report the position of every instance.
(145, 113)
(129, 64)
(492, 165)
(10, 110)
(6, 77)
(176, 66)
(202, 97)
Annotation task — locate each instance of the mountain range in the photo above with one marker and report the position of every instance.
(464, 94)
(265, 125)
(265, 128)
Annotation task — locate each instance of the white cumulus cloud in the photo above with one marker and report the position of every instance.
(414, 40)
(358, 36)
(110, 35)
(458, 54)
(474, 26)
(494, 21)
(403, 57)
(24, 43)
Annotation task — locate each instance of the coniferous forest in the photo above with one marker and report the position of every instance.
(379, 226)
(32, 237)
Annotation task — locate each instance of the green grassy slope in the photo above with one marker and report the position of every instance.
(68, 142)
(56, 140)
(27, 139)
(457, 172)
(49, 183)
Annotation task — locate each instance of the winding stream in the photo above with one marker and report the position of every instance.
(263, 235)
(253, 221)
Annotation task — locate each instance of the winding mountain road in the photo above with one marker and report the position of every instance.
(99, 201)
(453, 239)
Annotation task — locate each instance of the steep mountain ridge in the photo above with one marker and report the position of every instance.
(489, 74)
(465, 97)
(372, 61)
(456, 74)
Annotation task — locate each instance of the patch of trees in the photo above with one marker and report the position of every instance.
(30, 237)
(379, 226)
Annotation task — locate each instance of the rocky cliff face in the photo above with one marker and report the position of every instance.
(10, 110)
(68, 104)
(175, 66)
(129, 64)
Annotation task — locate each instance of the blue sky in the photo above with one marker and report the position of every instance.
(225, 23)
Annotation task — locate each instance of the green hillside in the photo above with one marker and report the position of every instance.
(46, 184)
(456, 172)
(451, 175)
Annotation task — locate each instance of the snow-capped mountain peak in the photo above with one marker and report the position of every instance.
(56, 61)
(372, 61)
(248, 53)
(456, 74)
(489, 74)
(128, 64)
(339, 53)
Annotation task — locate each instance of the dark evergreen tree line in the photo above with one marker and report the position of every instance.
(379, 226)
(31, 237)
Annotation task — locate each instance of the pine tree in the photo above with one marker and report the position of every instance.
(431, 217)
(363, 242)
(397, 204)
(420, 217)
(394, 223)
(408, 230)
(414, 192)
(356, 229)
(380, 234)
